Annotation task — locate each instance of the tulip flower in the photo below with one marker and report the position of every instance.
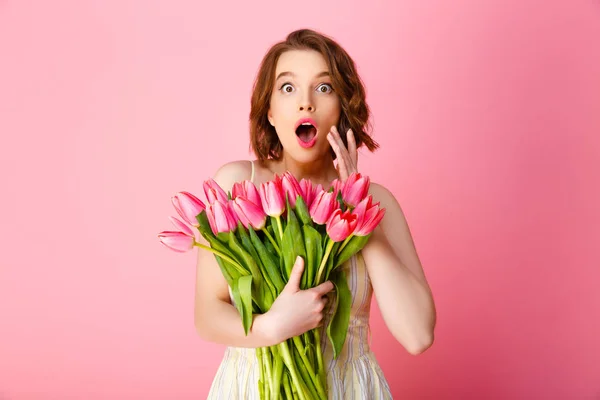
(177, 241)
(340, 225)
(181, 226)
(337, 185)
(291, 187)
(309, 191)
(249, 213)
(355, 189)
(188, 207)
(322, 207)
(368, 216)
(248, 190)
(214, 192)
(271, 196)
(220, 217)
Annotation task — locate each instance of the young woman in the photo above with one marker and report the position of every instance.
(308, 109)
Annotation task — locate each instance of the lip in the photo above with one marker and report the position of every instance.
(303, 120)
(313, 140)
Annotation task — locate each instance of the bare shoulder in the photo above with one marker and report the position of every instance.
(383, 195)
(395, 227)
(231, 172)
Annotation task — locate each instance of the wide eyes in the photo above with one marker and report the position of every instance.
(322, 88)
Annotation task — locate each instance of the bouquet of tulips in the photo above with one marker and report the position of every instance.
(256, 235)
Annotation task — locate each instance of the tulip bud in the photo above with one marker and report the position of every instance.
(181, 226)
(271, 196)
(368, 216)
(322, 207)
(188, 207)
(247, 190)
(220, 217)
(291, 187)
(340, 225)
(355, 189)
(214, 192)
(177, 241)
(249, 213)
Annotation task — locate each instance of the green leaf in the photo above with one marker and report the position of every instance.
(293, 245)
(251, 265)
(268, 261)
(330, 266)
(338, 326)
(355, 245)
(206, 232)
(340, 199)
(242, 295)
(302, 211)
(314, 252)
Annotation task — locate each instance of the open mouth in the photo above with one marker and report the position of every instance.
(306, 132)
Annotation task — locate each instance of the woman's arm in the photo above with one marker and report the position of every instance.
(216, 319)
(293, 312)
(399, 284)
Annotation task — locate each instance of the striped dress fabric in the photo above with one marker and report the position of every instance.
(355, 374)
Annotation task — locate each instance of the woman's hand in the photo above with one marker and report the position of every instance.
(347, 159)
(296, 311)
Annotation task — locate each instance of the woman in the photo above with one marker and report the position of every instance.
(306, 89)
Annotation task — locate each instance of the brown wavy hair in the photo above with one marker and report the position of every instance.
(346, 83)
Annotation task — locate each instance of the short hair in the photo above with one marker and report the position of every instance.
(346, 83)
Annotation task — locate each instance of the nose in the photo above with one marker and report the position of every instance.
(306, 107)
(306, 104)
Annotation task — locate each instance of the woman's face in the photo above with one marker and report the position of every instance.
(303, 91)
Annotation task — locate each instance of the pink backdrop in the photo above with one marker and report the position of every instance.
(488, 114)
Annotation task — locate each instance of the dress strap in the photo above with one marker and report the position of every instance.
(252, 174)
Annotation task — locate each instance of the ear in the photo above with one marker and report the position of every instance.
(270, 117)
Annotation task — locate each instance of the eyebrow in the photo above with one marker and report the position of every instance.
(288, 73)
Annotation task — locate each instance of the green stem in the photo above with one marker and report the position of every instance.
(272, 240)
(268, 383)
(277, 373)
(324, 261)
(280, 227)
(344, 244)
(286, 386)
(306, 378)
(289, 362)
(261, 370)
(320, 365)
(309, 369)
(224, 257)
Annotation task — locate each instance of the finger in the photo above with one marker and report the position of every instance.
(296, 275)
(336, 149)
(352, 147)
(347, 157)
(324, 288)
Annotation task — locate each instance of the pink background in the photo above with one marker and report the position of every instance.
(488, 114)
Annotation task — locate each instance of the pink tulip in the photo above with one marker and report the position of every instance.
(181, 226)
(340, 225)
(220, 217)
(291, 187)
(355, 189)
(177, 241)
(188, 206)
(271, 196)
(248, 190)
(214, 192)
(249, 213)
(236, 218)
(368, 216)
(322, 207)
(309, 191)
(337, 185)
